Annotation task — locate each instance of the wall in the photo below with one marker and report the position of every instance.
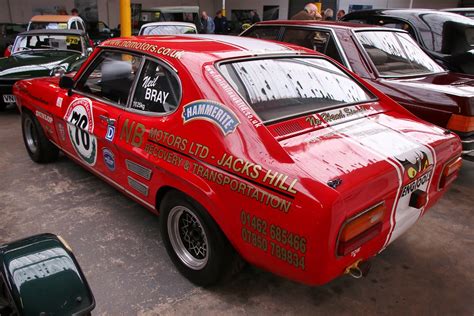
(22, 10)
(256, 5)
(109, 9)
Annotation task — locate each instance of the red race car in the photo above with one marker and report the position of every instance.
(247, 149)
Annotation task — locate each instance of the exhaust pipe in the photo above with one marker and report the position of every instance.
(358, 269)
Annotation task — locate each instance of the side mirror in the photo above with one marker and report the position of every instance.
(90, 50)
(66, 83)
(39, 275)
(57, 71)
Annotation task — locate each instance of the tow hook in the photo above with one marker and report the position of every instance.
(358, 269)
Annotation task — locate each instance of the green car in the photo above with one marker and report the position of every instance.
(39, 275)
(41, 53)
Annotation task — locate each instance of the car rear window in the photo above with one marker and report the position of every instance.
(396, 54)
(278, 88)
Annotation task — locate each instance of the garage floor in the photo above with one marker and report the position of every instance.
(428, 271)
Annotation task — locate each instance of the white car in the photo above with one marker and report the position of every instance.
(167, 28)
(56, 22)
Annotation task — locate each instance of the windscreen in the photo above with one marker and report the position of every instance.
(396, 54)
(48, 26)
(283, 87)
(47, 41)
(168, 30)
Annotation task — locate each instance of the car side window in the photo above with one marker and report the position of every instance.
(397, 24)
(320, 41)
(264, 32)
(111, 77)
(158, 89)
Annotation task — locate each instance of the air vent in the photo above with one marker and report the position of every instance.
(140, 187)
(286, 128)
(138, 169)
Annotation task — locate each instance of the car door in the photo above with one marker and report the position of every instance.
(147, 125)
(94, 110)
(320, 40)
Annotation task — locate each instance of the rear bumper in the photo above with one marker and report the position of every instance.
(467, 147)
(6, 87)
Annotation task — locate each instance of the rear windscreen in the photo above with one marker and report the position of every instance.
(284, 87)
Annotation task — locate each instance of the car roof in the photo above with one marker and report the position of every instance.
(47, 31)
(169, 23)
(203, 48)
(333, 24)
(394, 12)
(52, 18)
(458, 10)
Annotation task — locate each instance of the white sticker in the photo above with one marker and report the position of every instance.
(80, 126)
(59, 102)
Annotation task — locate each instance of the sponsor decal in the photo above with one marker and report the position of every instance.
(418, 168)
(234, 97)
(109, 158)
(59, 102)
(146, 47)
(61, 131)
(80, 126)
(340, 115)
(275, 240)
(213, 112)
(110, 133)
(412, 169)
(44, 116)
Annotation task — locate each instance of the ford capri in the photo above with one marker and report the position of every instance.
(249, 151)
(392, 62)
(40, 53)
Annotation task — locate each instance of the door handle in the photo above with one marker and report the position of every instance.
(107, 120)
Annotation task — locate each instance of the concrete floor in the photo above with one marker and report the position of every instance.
(428, 271)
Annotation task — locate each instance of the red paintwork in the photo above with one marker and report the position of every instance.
(317, 211)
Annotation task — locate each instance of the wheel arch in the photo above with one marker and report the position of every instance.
(205, 196)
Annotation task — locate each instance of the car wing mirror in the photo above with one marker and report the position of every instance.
(66, 83)
(90, 50)
(39, 275)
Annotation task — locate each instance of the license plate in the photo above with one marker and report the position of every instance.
(9, 98)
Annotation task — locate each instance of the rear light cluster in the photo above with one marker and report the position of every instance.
(450, 172)
(461, 123)
(360, 229)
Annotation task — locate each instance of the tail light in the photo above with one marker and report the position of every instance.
(360, 229)
(461, 123)
(450, 172)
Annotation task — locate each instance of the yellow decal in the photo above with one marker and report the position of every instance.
(150, 48)
(72, 40)
(133, 133)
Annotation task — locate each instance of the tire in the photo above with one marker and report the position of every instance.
(202, 254)
(40, 149)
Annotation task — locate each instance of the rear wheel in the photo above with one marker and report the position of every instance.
(195, 243)
(37, 145)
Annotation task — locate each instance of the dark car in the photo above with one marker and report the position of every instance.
(39, 275)
(99, 32)
(8, 32)
(447, 37)
(468, 12)
(41, 53)
(392, 62)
